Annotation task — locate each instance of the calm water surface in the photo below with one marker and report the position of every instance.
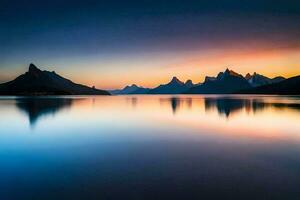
(150, 147)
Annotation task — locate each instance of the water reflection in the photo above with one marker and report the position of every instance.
(167, 147)
(223, 105)
(259, 105)
(38, 107)
(189, 102)
(227, 106)
(133, 101)
(174, 102)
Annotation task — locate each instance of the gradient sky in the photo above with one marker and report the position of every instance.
(111, 44)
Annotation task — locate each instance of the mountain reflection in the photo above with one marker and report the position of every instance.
(228, 106)
(173, 101)
(38, 107)
(177, 102)
(133, 101)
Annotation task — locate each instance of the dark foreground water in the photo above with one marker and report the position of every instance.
(150, 147)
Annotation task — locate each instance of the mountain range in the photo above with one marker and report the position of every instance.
(130, 89)
(38, 82)
(256, 80)
(175, 86)
(226, 82)
(289, 86)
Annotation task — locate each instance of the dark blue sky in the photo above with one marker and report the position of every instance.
(69, 36)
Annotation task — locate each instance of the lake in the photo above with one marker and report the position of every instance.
(150, 147)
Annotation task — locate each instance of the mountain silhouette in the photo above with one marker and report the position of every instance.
(175, 86)
(256, 80)
(189, 83)
(225, 83)
(132, 89)
(38, 82)
(290, 86)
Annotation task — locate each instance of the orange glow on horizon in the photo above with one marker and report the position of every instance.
(195, 66)
(154, 68)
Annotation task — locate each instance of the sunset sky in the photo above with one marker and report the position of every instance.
(111, 44)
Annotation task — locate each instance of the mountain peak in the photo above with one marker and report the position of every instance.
(231, 73)
(176, 80)
(189, 83)
(227, 70)
(38, 82)
(134, 85)
(33, 69)
(248, 76)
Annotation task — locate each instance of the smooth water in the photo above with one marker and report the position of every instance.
(150, 147)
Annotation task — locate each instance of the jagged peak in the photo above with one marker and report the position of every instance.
(248, 76)
(231, 72)
(33, 69)
(176, 80)
(130, 86)
(227, 73)
(133, 85)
